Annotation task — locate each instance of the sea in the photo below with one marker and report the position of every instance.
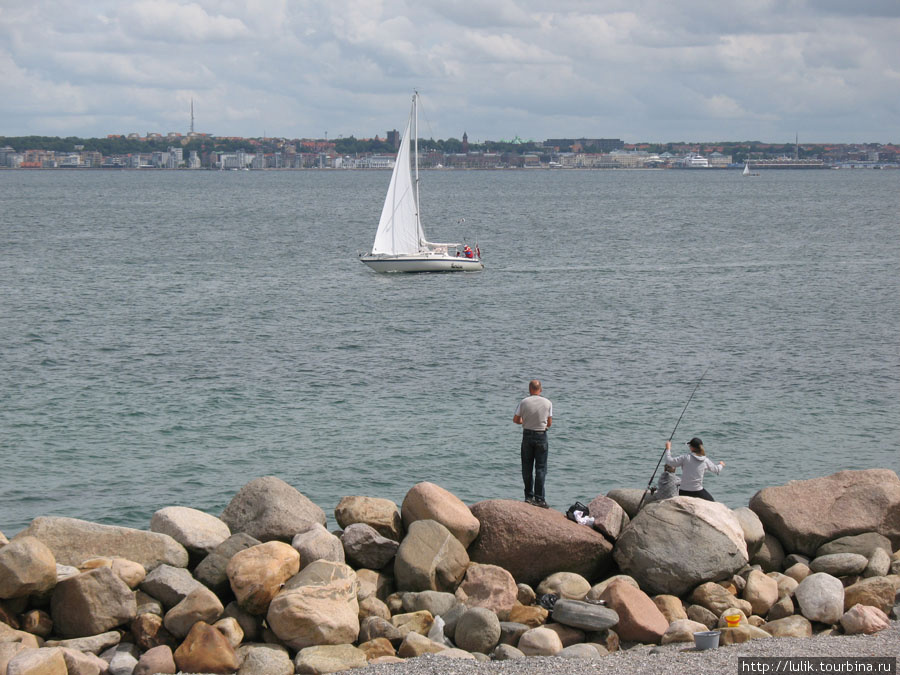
(167, 336)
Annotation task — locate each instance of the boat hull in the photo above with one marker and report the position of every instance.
(420, 263)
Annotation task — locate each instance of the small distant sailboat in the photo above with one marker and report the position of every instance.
(746, 171)
(400, 243)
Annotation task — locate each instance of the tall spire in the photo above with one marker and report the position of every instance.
(192, 115)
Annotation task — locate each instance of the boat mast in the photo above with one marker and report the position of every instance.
(416, 155)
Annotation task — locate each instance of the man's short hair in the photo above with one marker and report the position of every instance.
(534, 385)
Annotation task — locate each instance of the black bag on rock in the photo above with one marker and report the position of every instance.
(577, 506)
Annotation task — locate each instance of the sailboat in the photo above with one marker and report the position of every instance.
(746, 171)
(400, 243)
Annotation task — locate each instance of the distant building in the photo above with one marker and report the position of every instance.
(595, 144)
(393, 139)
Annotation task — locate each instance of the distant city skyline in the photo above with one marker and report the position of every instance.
(650, 71)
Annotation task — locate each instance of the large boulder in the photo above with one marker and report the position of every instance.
(317, 543)
(761, 592)
(488, 586)
(790, 626)
(534, 543)
(206, 650)
(317, 606)
(586, 616)
(27, 566)
(540, 642)
(839, 564)
(821, 598)
(806, 514)
(268, 508)
(864, 619)
(257, 573)
(199, 532)
(201, 604)
(478, 630)
(609, 518)
(864, 544)
(321, 659)
(770, 556)
(673, 545)
(73, 541)
(628, 498)
(264, 659)
(427, 501)
(754, 533)
(565, 585)
(365, 547)
(91, 603)
(170, 585)
(211, 571)
(876, 592)
(430, 558)
(639, 618)
(380, 514)
(43, 661)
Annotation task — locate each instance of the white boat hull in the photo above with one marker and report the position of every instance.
(422, 263)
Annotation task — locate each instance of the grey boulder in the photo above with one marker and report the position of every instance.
(269, 509)
(585, 616)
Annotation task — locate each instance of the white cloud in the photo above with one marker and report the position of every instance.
(636, 69)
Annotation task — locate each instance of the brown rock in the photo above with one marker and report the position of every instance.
(671, 607)
(701, 614)
(380, 514)
(156, 660)
(534, 543)
(269, 509)
(488, 586)
(318, 606)
(791, 626)
(565, 585)
(201, 604)
(639, 618)
(73, 541)
(149, 632)
(264, 659)
(864, 619)
(414, 645)
(531, 615)
(734, 636)
(798, 571)
(257, 573)
(320, 659)
(806, 514)
(130, 572)
(609, 518)
(682, 630)
(427, 501)
(567, 635)
(27, 567)
(81, 663)
(8, 650)
(374, 627)
(761, 592)
(374, 583)
(540, 641)
(781, 609)
(91, 603)
(429, 558)
(876, 592)
(372, 606)
(42, 661)
(206, 650)
(231, 629)
(417, 622)
(377, 647)
(714, 598)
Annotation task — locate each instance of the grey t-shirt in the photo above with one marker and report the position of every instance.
(534, 411)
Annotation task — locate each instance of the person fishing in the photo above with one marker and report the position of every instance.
(666, 487)
(693, 466)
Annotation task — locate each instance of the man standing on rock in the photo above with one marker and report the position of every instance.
(535, 414)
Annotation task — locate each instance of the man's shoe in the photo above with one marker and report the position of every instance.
(541, 503)
(529, 500)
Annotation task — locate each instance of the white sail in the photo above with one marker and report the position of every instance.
(399, 230)
(746, 168)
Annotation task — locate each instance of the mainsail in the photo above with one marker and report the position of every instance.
(399, 230)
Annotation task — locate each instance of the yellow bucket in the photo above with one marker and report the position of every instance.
(733, 620)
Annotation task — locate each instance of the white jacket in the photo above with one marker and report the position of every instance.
(692, 469)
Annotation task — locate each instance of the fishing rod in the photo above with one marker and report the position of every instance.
(696, 386)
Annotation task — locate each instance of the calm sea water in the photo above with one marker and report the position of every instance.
(168, 336)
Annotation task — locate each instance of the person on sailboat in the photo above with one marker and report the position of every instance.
(468, 252)
(535, 414)
(693, 466)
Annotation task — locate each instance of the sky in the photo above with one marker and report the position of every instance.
(638, 70)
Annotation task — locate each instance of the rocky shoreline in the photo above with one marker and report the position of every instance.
(809, 568)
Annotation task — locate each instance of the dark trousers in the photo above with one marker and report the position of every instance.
(699, 494)
(534, 459)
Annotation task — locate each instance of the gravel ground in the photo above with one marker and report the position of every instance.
(675, 659)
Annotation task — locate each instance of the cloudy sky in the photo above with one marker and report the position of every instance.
(639, 70)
